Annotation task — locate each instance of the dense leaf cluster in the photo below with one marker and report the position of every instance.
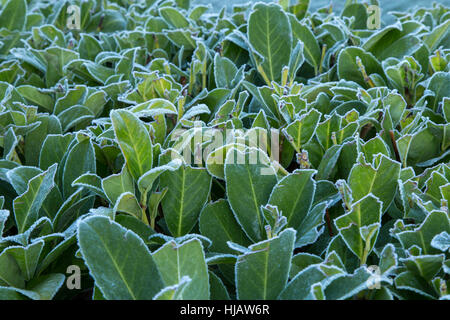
(100, 168)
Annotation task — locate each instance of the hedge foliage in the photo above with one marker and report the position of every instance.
(127, 136)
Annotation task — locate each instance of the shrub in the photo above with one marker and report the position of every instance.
(155, 150)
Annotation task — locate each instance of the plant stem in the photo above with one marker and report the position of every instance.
(322, 58)
(362, 69)
(264, 75)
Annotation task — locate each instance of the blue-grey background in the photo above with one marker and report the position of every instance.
(386, 5)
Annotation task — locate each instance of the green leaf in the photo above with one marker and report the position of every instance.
(435, 223)
(262, 272)
(175, 292)
(46, 286)
(181, 38)
(296, 60)
(90, 181)
(135, 225)
(154, 108)
(14, 15)
(89, 47)
(224, 71)
(215, 161)
(10, 273)
(426, 266)
(380, 181)
(145, 183)
(9, 144)
(359, 12)
(188, 190)
(117, 184)
(176, 261)
(134, 141)
(27, 258)
(53, 149)
(35, 138)
(217, 288)
(41, 288)
(348, 285)
(311, 48)
(293, 195)
(299, 288)
(248, 187)
(218, 224)
(308, 231)
(19, 177)
(4, 214)
(174, 17)
(373, 147)
(435, 37)
(27, 205)
(360, 226)
(300, 8)
(376, 43)
(10, 293)
(301, 130)
(441, 241)
(440, 85)
(327, 165)
(301, 261)
(349, 70)
(56, 252)
(388, 259)
(74, 116)
(269, 34)
(80, 160)
(409, 281)
(98, 72)
(128, 203)
(71, 210)
(118, 260)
